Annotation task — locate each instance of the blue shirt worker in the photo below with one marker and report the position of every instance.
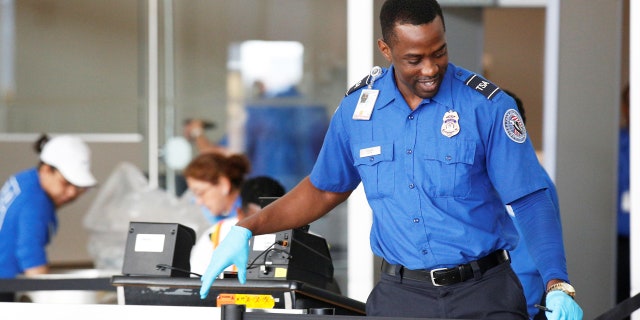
(283, 135)
(623, 212)
(521, 261)
(29, 200)
(440, 152)
(283, 141)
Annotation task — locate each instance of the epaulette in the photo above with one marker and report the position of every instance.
(486, 88)
(358, 85)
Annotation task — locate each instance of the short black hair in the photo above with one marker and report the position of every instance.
(255, 188)
(415, 12)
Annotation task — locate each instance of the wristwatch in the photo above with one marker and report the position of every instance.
(564, 287)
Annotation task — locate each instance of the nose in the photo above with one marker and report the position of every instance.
(69, 194)
(430, 68)
(73, 191)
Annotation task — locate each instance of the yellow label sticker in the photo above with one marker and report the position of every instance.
(280, 273)
(254, 301)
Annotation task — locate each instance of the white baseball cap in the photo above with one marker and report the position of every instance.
(72, 157)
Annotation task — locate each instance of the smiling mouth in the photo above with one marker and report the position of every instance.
(428, 84)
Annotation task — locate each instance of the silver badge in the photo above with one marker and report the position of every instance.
(450, 124)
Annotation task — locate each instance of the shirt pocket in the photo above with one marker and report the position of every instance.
(374, 162)
(448, 166)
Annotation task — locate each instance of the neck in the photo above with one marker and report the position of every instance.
(230, 200)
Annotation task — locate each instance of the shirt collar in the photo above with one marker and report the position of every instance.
(389, 90)
(444, 95)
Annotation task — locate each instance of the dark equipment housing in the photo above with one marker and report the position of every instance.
(150, 244)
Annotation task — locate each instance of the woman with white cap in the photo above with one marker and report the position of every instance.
(29, 199)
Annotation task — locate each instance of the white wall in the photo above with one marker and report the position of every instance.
(588, 108)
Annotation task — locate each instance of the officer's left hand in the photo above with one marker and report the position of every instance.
(562, 307)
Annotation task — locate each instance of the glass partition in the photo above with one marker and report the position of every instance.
(77, 66)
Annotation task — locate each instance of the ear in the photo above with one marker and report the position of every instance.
(46, 169)
(225, 185)
(384, 49)
(46, 176)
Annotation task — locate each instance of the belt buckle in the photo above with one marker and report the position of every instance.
(505, 256)
(433, 279)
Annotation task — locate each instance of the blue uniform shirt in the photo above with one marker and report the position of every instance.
(283, 135)
(437, 201)
(284, 141)
(27, 223)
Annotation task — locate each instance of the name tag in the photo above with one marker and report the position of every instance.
(368, 152)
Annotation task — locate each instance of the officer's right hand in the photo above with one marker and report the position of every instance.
(234, 249)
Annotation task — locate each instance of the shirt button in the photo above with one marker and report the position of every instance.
(411, 186)
(448, 158)
(411, 117)
(425, 251)
(371, 159)
(409, 151)
(416, 220)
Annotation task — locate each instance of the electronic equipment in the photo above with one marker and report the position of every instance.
(264, 201)
(291, 295)
(152, 245)
(293, 254)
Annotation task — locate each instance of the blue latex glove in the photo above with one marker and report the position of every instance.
(562, 307)
(234, 249)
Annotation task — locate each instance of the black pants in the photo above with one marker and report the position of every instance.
(496, 295)
(623, 270)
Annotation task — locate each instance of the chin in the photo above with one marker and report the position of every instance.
(427, 95)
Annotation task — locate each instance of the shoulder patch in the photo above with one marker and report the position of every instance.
(358, 85)
(514, 126)
(486, 88)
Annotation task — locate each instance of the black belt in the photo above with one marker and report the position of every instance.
(448, 276)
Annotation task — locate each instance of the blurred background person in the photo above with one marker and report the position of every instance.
(623, 278)
(194, 131)
(282, 135)
(29, 200)
(251, 192)
(215, 180)
(521, 261)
